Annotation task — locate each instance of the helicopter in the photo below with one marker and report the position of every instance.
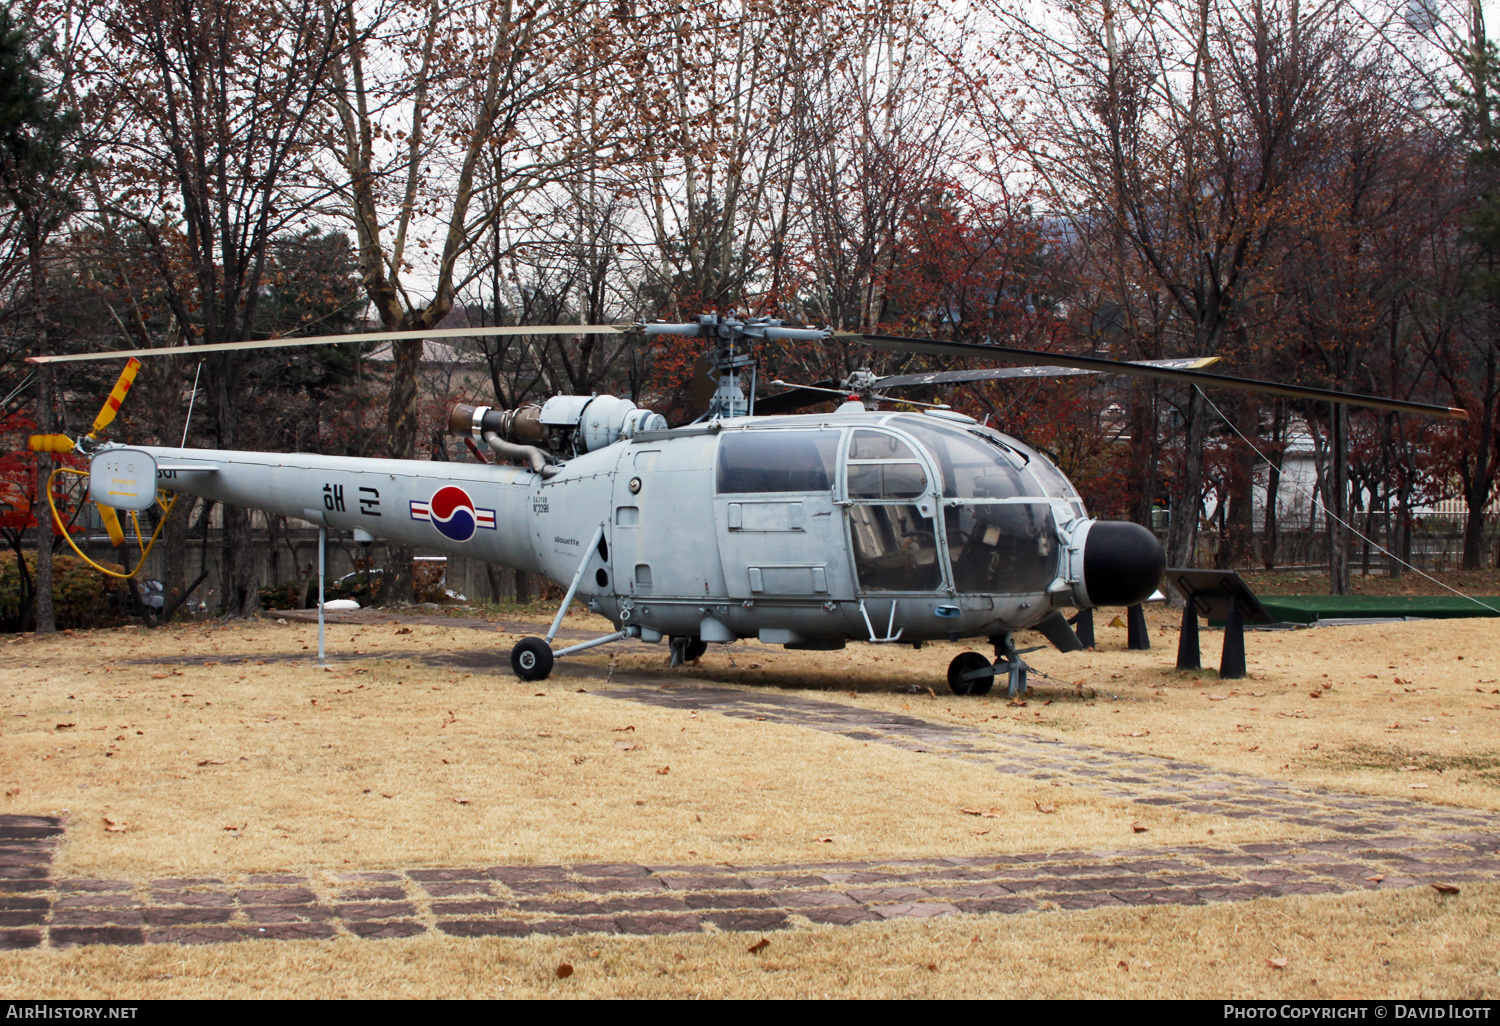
(754, 521)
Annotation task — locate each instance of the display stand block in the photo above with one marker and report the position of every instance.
(1083, 626)
(1216, 595)
(1137, 638)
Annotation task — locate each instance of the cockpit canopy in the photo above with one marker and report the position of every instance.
(995, 514)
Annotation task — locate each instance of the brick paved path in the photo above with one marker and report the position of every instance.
(1378, 843)
(513, 901)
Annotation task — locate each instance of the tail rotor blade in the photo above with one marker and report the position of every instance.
(112, 525)
(116, 397)
(50, 443)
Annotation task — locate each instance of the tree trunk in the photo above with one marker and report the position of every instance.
(1182, 537)
(174, 535)
(46, 618)
(1336, 499)
(402, 425)
(46, 621)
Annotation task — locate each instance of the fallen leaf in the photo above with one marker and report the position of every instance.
(971, 812)
(404, 630)
(564, 971)
(626, 746)
(1276, 963)
(932, 967)
(113, 827)
(1122, 964)
(978, 831)
(618, 729)
(755, 948)
(1445, 888)
(65, 726)
(542, 733)
(822, 840)
(1044, 808)
(1139, 827)
(1217, 698)
(1420, 786)
(461, 801)
(1376, 878)
(1315, 694)
(1145, 965)
(1017, 701)
(211, 762)
(663, 771)
(1117, 622)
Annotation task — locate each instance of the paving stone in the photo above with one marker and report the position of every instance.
(197, 935)
(292, 931)
(24, 916)
(385, 929)
(29, 872)
(279, 896)
(202, 899)
(368, 878)
(846, 916)
(97, 917)
(729, 899)
(612, 869)
(652, 925)
(373, 894)
(69, 886)
(25, 885)
(425, 875)
(513, 874)
(18, 902)
(748, 922)
(280, 880)
(774, 883)
(450, 889)
(871, 894)
(284, 914)
(181, 882)
(621, 884)
(472, 908)
(974, 890)
(14, 940)
(704, 881)
(1091, 899)
(665, 902)
(814, 899)
(374, 910)
(1235, 892)
(485, 927)
(186, 916)
(913, 909)
(575, 925)
(74, 936)
(542, 886)
(995, 905)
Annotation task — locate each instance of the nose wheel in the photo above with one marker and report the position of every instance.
(531, 659)
(970, 674)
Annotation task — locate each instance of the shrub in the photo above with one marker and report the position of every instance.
(81, 595)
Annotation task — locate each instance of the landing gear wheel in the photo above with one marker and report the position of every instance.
(686, 648)
(967, 662)
(531, 659)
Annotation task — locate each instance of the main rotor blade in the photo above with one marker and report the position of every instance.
(795, 399)
(998, 373)
(941, 347)
(328, 340)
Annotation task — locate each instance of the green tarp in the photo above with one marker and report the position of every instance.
(1307, 608)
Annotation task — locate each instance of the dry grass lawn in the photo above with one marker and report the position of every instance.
(420, 749)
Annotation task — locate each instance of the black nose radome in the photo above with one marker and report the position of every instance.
(1122, 563)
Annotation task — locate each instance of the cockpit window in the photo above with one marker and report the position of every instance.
(777, 461)
(973, 467)
(877, 445)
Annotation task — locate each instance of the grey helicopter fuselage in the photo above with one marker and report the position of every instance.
(797, 530)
